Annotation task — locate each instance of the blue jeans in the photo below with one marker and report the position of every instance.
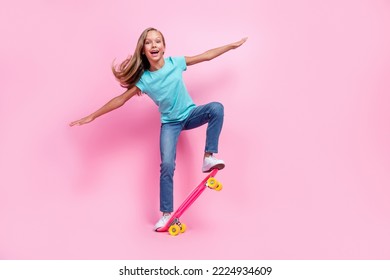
(212, 114)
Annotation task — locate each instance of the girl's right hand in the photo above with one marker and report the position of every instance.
(82, 121)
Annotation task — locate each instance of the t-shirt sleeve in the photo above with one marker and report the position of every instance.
(181, 62)
(140, 85)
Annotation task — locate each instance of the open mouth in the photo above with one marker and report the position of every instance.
(154, 52)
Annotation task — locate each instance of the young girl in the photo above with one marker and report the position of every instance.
(147, 71)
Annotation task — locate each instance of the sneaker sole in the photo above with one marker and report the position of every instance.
(218, 166)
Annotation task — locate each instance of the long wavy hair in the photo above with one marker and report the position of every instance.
(131, 69)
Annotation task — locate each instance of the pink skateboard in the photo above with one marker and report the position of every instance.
(173, 226)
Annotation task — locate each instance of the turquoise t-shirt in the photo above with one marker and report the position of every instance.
(167, 89)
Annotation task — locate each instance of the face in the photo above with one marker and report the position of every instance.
(154, 46)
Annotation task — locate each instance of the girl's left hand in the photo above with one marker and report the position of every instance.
(239, 43)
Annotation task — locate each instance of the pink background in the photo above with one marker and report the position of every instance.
(306, 134)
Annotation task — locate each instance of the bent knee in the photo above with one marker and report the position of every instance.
(217, 108)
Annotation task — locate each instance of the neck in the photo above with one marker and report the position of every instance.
(156, 65)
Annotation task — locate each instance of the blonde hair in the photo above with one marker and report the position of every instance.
(131, 69)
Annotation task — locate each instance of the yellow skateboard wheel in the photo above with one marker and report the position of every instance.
(219, 187)
(183, 228)
(174, 230)
(212, 183)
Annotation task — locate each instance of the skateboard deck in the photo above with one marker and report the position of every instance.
(174, 226)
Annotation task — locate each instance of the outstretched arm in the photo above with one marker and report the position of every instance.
(113, 104)
(213, 53)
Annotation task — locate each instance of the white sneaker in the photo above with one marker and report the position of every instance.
(163, 220)
(211, 162)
